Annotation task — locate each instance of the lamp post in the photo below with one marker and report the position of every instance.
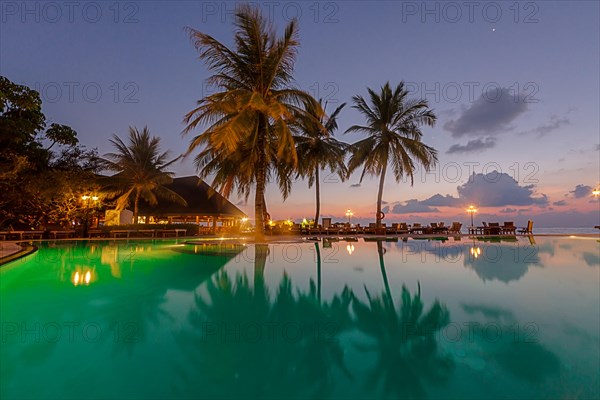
(87, 198)
(472, 210)
(596, 192)
(349, 214)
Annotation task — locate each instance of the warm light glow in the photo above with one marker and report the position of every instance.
(349, 213)
(471, 209)
(475, 252)
(85, 197)
(271, 223)
(83, 277)
(95, 198)
(245, 219)
(350, 248)
(596, 192)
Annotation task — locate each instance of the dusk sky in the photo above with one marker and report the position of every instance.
(515, 86)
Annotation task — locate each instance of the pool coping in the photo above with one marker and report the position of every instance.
(24, 249)
(28, 247)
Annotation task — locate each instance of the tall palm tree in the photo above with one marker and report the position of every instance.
(394, 136)
(235, 172)
(318, 147)
(251, 113)
(140, 171)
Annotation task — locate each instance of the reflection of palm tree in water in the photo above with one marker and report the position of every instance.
(404, 340)
(239, 331)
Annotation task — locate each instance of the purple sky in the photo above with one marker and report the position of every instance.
(515, 87)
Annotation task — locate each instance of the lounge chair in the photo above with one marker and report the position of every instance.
(508, 228)
(371, 228)
(455, 228)
(416, 228)
(439, 228)
(403, 228)
(527, 230)
(492, 229)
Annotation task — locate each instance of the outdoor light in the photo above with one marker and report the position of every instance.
(349, 214)
(471, 210)
(596, 192)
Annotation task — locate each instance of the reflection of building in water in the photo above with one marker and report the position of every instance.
(110, 257)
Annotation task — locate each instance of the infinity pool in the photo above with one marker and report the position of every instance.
(328, 319)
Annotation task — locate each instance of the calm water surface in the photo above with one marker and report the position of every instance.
(333, 319)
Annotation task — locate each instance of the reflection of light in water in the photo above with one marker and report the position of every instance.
(83, 276)
(350, 248)
(475, 252)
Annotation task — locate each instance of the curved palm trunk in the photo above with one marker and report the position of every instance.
(136, 207)
(318, 255)
(380, 194)
(318, 200)
(386, 284)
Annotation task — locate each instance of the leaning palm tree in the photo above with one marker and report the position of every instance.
(255, 102)
(394, 128)
(140, 171)
(318, 147)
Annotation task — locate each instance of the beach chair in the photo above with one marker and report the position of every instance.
(393, 230)
(508, 228)
(455, 228)
(493, 228)
(371, 228)
(403, 228)
(528, 230)
(440, 227)
(416, 228)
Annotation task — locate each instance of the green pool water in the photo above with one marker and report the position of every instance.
(333, 319)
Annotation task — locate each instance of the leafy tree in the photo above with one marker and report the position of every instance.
(41, 183)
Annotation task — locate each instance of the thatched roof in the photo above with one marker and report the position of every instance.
(200, 197)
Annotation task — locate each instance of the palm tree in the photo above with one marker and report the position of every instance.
(251, 113)
(140, 171)
(394, 128)
(318, 147)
